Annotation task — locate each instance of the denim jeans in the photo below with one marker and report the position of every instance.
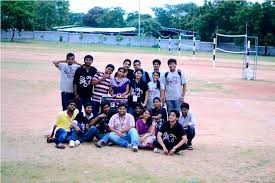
(65, 98)
(62, 136)
(90, 134)
(173, 105)
(190, 132)
(81, 102)
(96, 106)
(130, 137)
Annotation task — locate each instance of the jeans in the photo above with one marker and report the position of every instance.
(169, 146)
(90, 134)
(65, 98)
(130, 137)
(173, 105)
(81, 102)
(190, 132)
(96, 106)
(62, 136)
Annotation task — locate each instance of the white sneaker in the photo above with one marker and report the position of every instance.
(77, 143)
(71, 144)
(157, 150)
(135, 148)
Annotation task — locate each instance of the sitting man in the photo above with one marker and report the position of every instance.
(82, 123)
(122, 127)
(187, 121)
(171, 137)
(63, 125)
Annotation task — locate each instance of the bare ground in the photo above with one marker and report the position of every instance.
(235, 140)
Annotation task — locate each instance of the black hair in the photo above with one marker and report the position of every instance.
(184, 105)
(88, 104)
(176, 112)
(156, 60)
(69, 55)
(127, 60)
(102, 105)
(89, 56)
(156, 98)
(158, 82)
(70, 101)
(111, 66)
(172, 60)
(138, 105)
(121, 104)
(140, 70)
(121, 68)
(149, 120)
(135, 61)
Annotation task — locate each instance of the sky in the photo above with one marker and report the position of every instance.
(82, 6)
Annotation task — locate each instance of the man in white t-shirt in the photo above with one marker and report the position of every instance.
(175, 86)
(156, 65)
(67, 70)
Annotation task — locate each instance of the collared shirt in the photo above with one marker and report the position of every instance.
(120, 123)
(64, 121)
(189, 119)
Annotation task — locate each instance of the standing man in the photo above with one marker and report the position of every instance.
(171, 138)
(123, 131)
(175, 84)
(145, 75)
(67, 70)
(187, 121)
(156, 66)
(83, 82)
(101, 83)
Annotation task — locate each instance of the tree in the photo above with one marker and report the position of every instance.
(112, 17)
(17, 15)
(76, 19)
(93, 16)
(52, 13)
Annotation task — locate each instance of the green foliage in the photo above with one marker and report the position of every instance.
(119, 38)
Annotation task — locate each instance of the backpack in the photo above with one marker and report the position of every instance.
(179, 73)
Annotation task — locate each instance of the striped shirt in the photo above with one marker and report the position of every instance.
(101, 88)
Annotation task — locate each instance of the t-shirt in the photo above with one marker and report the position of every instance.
(145, 76)
(83, 80)
(189, 119)
(119, 87)
(161, 78)
(173, 84)
(120, 123)
(142, 127)
(102, 124)
(64, 121)
(153, 92)
(83, 121)
(171, 136)
(137, 89)
(163, 112)
(130, 74)
(101, 88)
(67, 76)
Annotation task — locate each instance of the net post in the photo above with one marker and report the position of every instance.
(169, 48)
(179, 44)
(159, 46)
(194, 46)
(214, 52)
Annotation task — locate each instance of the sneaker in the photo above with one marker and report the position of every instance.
(77, 143)
(129, 146)
(180, 152)
(157, 150)
(71, 144)
(190, 147)
(135, 148)
(60, 146)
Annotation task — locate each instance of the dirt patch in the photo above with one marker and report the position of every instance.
(235, 138)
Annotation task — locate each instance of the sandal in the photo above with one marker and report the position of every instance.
(98, 144)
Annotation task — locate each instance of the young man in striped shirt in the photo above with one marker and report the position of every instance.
(101, 83)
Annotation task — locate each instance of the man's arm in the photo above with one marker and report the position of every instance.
(160, 141)
(183, 141)
(95, 79)
(56, 63)
(77, 63)
(96, 119)
(125, 130)
(146, 98)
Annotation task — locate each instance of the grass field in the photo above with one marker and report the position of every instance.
(235, 131)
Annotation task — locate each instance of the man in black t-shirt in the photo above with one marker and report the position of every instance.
(171, 137)
(83, 82)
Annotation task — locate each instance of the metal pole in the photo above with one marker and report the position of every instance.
(139, 18)
(169, 49)
(214, 52)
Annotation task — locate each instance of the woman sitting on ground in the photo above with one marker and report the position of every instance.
(146, 130)
(119, 84)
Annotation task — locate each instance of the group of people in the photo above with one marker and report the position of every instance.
(141, 123)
